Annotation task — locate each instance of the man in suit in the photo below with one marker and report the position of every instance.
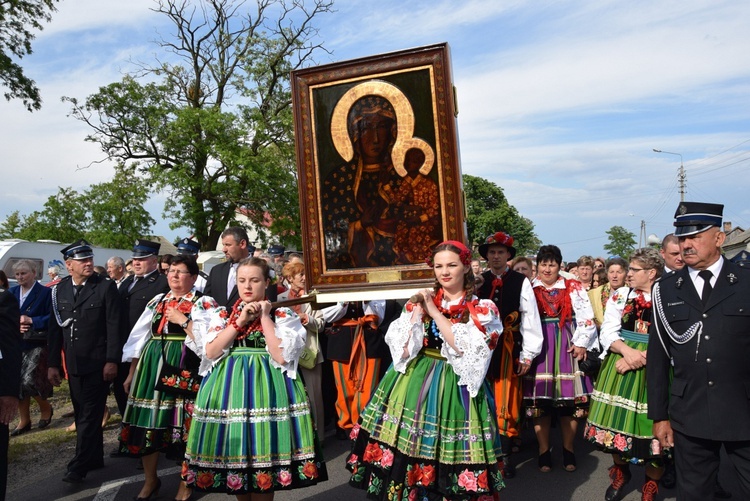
(222, 280)
(116, 270)
(10, 375)
(135, 293)
(521, 341)
(701, 335)
(85, 323)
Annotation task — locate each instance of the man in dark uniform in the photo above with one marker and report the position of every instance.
(222, 280)
(701, 335)
(85, 322)
(135, 293)
(10, 375)
(521, 341)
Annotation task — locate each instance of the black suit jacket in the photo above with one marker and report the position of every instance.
(216, 285)
(10, 345)
(133, 302)
(709, 396)
(92, 338)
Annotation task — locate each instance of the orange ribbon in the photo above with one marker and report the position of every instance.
(358, 358)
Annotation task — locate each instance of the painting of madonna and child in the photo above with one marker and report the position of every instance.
(378, 165)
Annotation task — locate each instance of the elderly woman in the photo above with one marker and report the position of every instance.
(429, 431)
(555, 385)
(157, 421)
(618, 422)
(55, 271)
(294, 274)
(617, 269)
(524, 266)
(36, 304)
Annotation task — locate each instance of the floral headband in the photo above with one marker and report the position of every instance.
(464, 253)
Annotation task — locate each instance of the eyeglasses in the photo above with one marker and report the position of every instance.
(178, 272)
(636, 270)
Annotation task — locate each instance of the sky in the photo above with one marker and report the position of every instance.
(561, 103)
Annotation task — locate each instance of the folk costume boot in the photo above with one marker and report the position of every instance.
(620, 475)
(650, 489)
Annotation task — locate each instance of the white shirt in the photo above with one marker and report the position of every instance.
(715, 269)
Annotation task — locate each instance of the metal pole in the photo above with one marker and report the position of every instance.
(681, 177)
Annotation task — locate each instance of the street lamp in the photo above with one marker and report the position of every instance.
(681, 177)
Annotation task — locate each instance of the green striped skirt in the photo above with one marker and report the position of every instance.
(252, 430)
(155, 421)
(423, 437)
(618, 422)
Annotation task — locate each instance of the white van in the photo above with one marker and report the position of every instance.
(46, 253)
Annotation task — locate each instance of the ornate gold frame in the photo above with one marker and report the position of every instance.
(417, 83)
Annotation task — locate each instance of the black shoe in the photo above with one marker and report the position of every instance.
(154, 492)
(43, 423)
(619, 476)
(720, 493)
(342, 434)
(669, 479)
(569, 460)
(20, 431)
(72, 477)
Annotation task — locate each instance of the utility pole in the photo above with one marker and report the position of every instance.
(681, 177)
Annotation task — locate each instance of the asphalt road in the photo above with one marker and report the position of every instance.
(120, 480)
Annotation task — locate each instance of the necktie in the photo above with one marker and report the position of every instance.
(77, 291)
(132, 284)
(232, 279)
(706, 276)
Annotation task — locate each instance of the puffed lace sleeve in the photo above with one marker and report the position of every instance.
(407, 332)
(141, 332)
(612, 321)
(205, 330)
(201, 313)
(292, 333)
(585, 332)
(475, 345)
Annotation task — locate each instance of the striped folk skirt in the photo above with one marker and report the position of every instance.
(423, 437)
(554, 379)
(618, 422)
(252, 430)
(155, 421)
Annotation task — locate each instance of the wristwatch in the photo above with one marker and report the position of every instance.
(185, 323)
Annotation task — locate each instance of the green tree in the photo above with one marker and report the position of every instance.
(10, 227)
(17, 19)
(621, 242)
(116, 213)
(488, 211)
(63, 218)
(215, 129)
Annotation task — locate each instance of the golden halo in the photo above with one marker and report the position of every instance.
(405, 139)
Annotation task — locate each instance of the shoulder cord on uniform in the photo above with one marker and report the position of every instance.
(57, 313)
(693, 330)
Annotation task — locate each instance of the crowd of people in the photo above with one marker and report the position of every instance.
(227, 372)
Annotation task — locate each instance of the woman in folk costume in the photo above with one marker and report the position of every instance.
(617, 422)
(429, 432)
(252, 431)
(157, 421)
(555, 385)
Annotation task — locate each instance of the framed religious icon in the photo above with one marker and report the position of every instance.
(379, 174)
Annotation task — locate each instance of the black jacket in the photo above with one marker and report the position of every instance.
(92, 338)
(10, 345)
(709, 396)
(133, 302)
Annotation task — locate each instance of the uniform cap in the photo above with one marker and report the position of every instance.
(78, 251)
